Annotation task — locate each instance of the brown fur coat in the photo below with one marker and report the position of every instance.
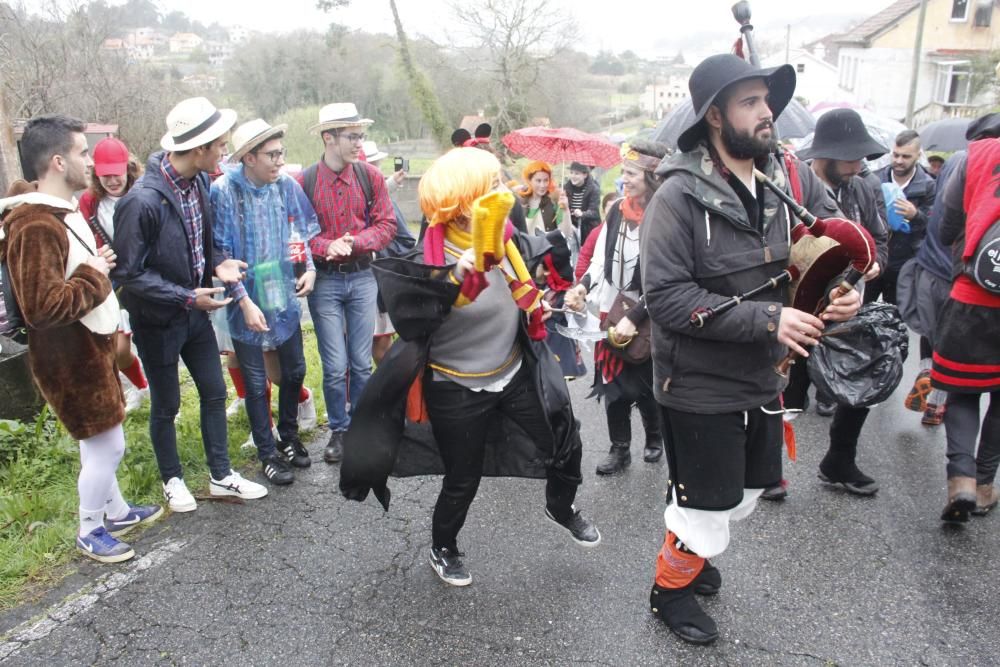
(74, 368)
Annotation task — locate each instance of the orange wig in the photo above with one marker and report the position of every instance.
(533, 168)
(455, 180)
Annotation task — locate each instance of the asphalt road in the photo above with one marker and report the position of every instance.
(305, 577)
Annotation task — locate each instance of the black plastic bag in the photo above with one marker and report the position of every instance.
(860, 362)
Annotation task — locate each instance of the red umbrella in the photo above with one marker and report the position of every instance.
(563, 144)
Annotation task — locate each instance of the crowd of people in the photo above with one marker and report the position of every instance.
(211, 248)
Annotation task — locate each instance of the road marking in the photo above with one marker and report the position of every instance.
(73, 605)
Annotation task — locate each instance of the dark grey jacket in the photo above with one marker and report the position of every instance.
(698, 248)
(920, 191)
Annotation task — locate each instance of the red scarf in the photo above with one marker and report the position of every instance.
(632, 210)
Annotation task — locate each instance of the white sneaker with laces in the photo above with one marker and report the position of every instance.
(234, 408)
(307, 413)
(179, 499)
(234, 484)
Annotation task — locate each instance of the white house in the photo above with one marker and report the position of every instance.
(875, 58)
(661, 97)
(185, 42)
(816, 80)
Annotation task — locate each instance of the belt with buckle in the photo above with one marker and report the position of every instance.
(343, 267)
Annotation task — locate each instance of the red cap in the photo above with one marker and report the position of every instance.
(110, 157)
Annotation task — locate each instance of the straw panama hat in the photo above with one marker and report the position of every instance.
(372, 153)
(195, 122)
(251, 134)
(339, 114)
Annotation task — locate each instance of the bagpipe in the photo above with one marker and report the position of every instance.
(823, 251)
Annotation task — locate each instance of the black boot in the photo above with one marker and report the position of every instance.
(617, 460)
(678, 608)
(708, 581)
(654, 448)
(334, 450)
(839, 469)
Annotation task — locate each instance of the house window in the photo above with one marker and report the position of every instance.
(984, 14)
(959, 10)
(800, 67)
(951, 86)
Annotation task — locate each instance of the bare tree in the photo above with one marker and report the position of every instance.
(518, 38)
(420, 88)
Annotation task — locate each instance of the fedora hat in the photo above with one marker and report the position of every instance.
(372, 152)
(715, 73)
(252, 134)
(339, 114)
(195, 122)
(841, 135)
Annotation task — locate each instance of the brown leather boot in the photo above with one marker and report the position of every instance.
(986, 499)
(961, 499)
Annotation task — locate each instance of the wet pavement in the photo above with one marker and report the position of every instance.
(305, 577)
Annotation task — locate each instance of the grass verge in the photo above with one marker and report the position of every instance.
(39, 464)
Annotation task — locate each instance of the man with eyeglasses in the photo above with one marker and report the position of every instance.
(357, 220)
(264, 218)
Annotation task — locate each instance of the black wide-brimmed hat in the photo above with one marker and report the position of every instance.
(841, 135)
(715, 73)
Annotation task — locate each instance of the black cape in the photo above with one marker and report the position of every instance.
(381, 442)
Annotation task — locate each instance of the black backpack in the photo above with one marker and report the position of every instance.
(984, 267)
(16, 327)
(402, 243)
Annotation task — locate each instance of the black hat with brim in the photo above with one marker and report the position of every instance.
(841, 135)
(716, 73)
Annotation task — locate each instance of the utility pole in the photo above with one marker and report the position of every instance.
(788, 42)
(10, 162)
(918, 45)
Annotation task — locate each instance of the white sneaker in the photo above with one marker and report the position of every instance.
(234, 408)
(307, 413)
(179, 499)
(234, 484)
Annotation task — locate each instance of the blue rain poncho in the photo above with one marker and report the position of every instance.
(255, 224)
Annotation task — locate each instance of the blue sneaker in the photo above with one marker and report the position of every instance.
(101, 546)
(137, 515)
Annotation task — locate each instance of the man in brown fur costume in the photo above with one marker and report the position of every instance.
(62, 288)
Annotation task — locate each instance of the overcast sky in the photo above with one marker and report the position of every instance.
(648, 27)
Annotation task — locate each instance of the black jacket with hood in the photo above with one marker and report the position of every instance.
(698, 249)
(920, 192)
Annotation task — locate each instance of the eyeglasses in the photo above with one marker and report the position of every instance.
(354, 138)
(274, 156)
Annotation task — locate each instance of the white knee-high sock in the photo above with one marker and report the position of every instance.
(99, 459)
(116, 507)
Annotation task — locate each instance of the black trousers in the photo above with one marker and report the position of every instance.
(459, 419)
(635, 387)
(847, 422)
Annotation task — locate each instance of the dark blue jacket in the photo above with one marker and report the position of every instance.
(933, 256)
(154, 254)
(920, 192)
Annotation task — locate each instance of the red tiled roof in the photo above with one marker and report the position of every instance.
(876, 24)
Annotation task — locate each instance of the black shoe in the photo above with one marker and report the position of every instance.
(679, 609)
(777, 492)
(335, 448)
(824, 409)
(708, 581)
(583, 531)
(449, 566)
(276, 471)
(295, 453)
(617, 460)
(846, 474)
(654, 448)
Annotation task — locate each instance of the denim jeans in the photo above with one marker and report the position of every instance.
(293, 372)
(193, 340)
(342, 306)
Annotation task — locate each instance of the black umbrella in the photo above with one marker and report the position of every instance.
(794, 122)
(946, 135)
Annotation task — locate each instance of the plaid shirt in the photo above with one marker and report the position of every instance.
(340, 206)
(191, 213)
